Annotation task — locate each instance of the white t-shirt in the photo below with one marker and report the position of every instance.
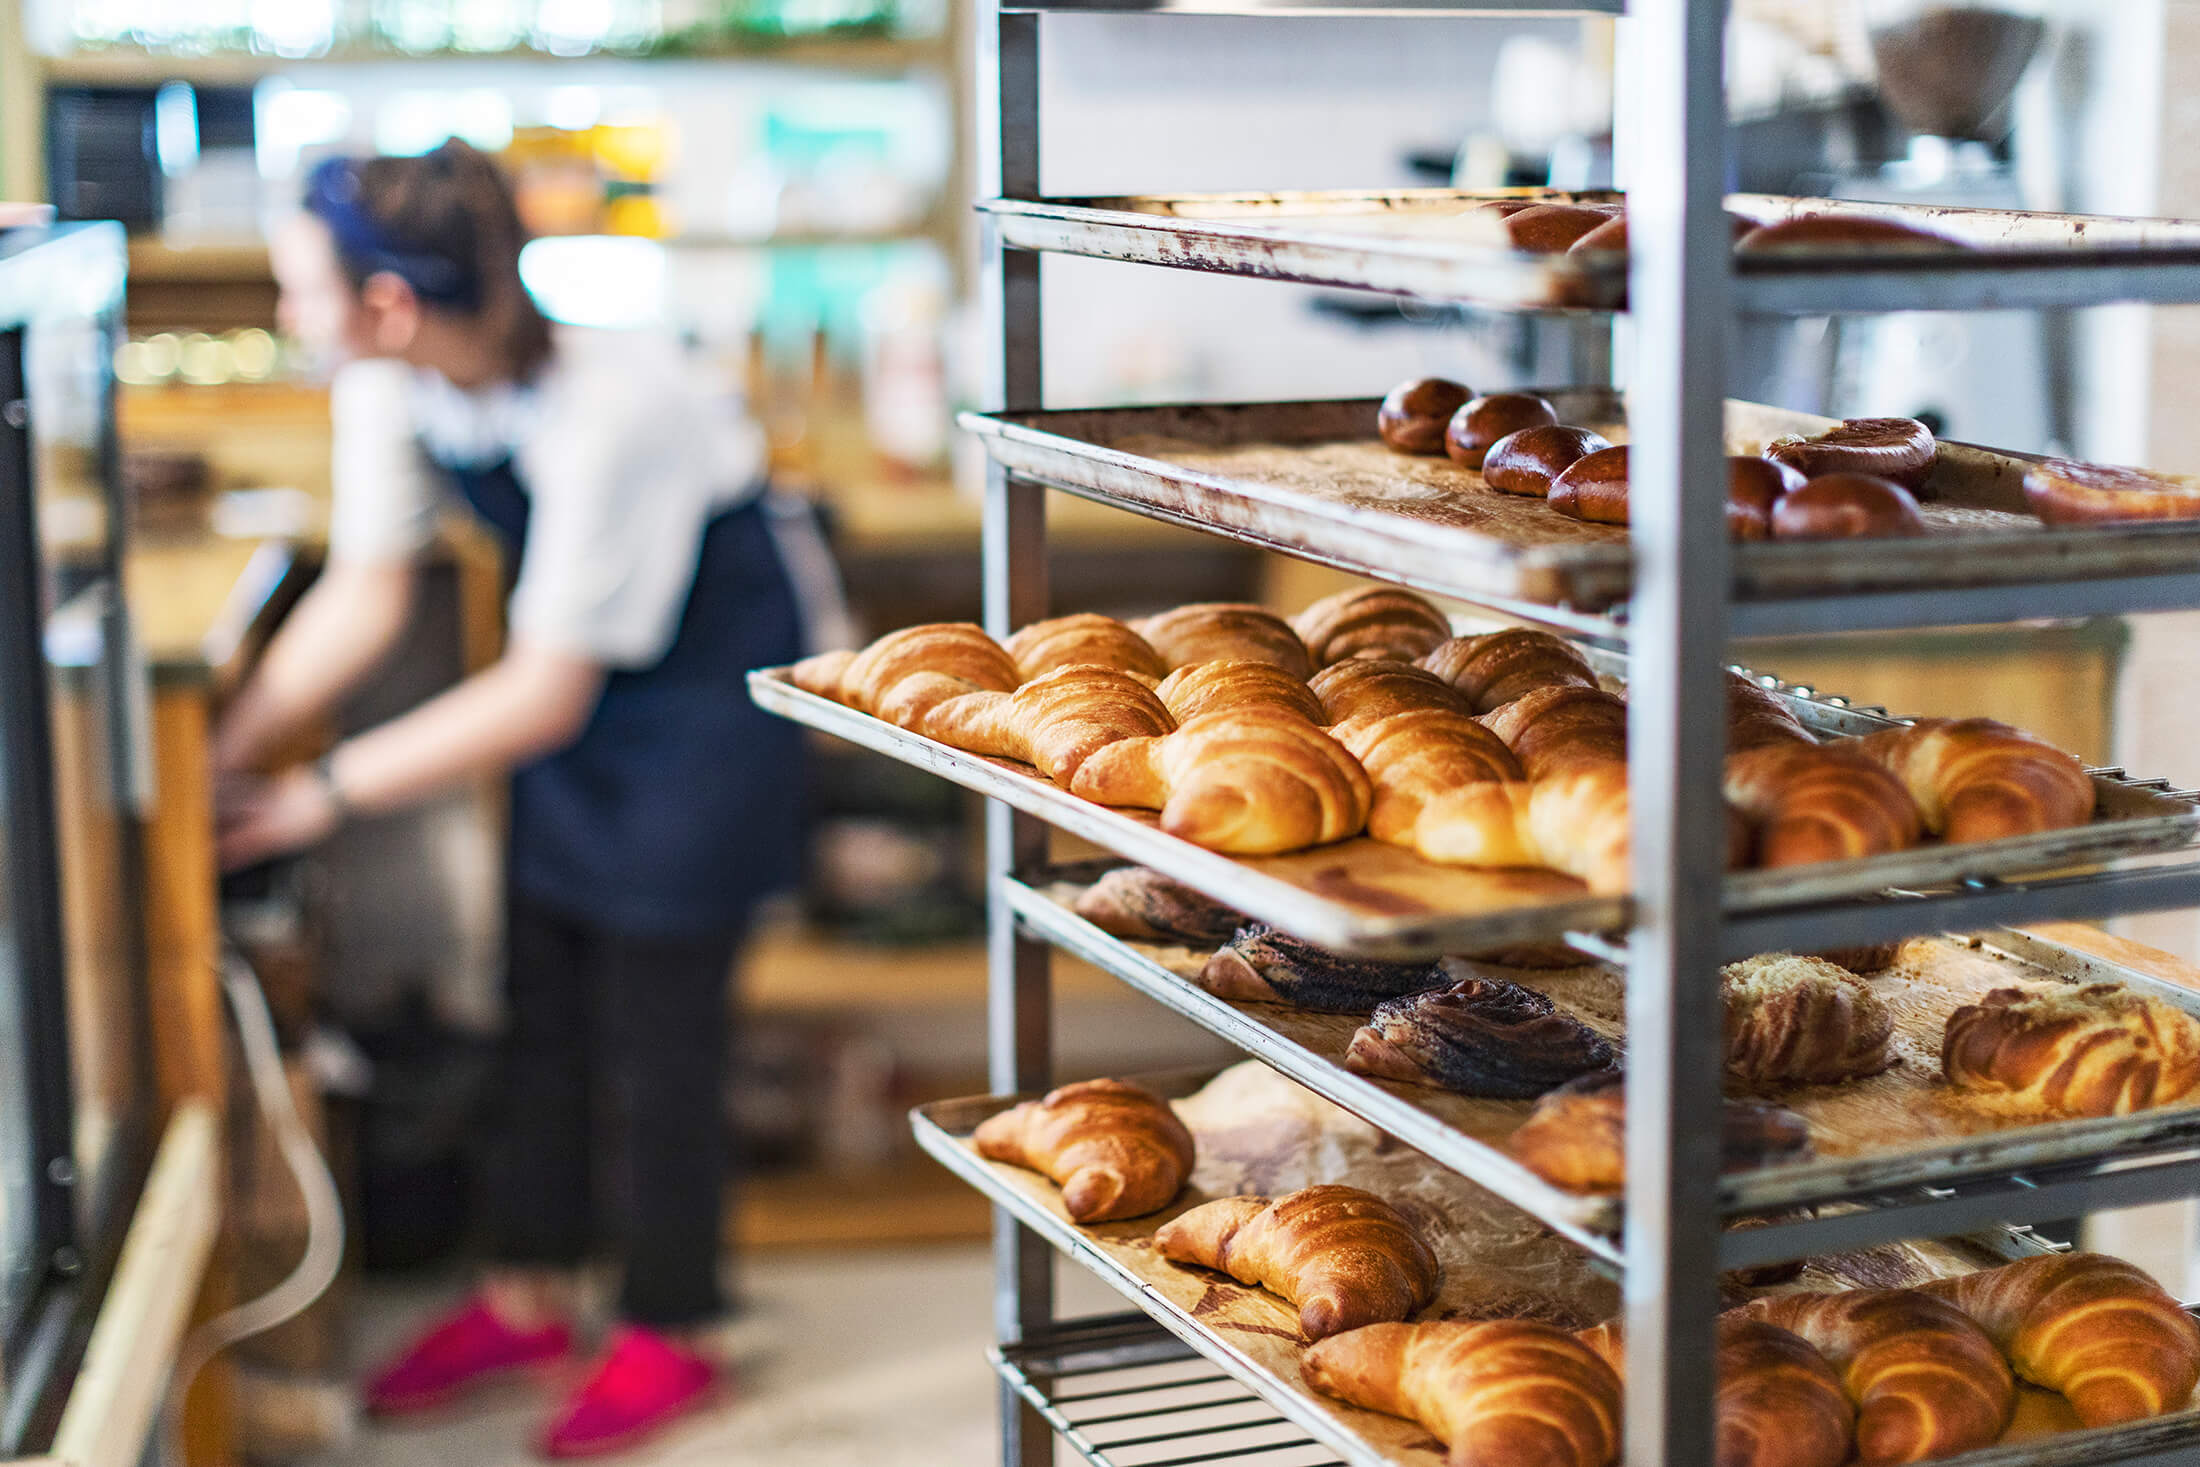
(625, 461)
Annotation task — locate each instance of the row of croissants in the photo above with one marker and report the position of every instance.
(1256, 736)
(1804, 1379)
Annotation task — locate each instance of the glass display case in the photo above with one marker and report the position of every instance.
(76, 1092)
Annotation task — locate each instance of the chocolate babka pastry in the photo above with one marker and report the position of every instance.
(1483, 1037)
(1145, 906)
(1263, 964)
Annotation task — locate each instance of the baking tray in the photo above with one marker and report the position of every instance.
(1312, 480)
(1363, 896)
(1427, 243)
(1878, 1137)
(1495, 1265)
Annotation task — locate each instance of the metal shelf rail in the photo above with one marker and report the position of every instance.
(1684, 294)
(1123, 1392)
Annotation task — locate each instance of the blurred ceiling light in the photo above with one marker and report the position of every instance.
(290, 119)
(595, 279)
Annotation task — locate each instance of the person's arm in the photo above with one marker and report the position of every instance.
(532, 701)
(333, 639)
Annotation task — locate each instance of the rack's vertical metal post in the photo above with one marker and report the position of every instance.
(1019, 987)
(1676, 719)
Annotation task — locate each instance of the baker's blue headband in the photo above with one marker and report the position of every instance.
(368, 248)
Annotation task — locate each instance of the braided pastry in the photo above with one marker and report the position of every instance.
(1212, 630)
(1117, 1149)
(2095, 1328)
(1373, 621)
(2096, 1050)
(1926, 1381)
(1370, 687)
(1084, 638)
(1505, 1393)
(1056, 721)
(1236, 685)
(1976, 779)
(1802, 1021)
(1253, 783)
(1345, 1257)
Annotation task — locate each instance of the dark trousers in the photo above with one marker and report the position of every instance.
(640, 1024)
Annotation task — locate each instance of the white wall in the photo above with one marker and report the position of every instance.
(1139, 104)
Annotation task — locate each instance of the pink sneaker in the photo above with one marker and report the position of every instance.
(465, 1348)
(643, 1382)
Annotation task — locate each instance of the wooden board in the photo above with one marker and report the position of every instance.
(1257, 1132)
(1905, 1111)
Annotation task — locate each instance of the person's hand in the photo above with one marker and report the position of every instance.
(256, 819)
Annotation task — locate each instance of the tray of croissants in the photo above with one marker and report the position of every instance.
(1853, 1073)
(1405, 1316)
(1361, 776)
(1524, 495)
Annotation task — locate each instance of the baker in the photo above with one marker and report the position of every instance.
(651, 803)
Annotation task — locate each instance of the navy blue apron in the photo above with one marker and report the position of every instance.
(677, 807)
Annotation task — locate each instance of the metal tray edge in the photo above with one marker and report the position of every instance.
(1584, 1221)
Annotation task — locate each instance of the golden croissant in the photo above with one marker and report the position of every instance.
(1056, 721)
(1255, 783)
(1237, 685)
(1116, 1149)
(1976, 779)
(1926, 1381)
(1502, 1393)
(1778, 1403)
(1372, 687)
(1212, 630)
(1562, 727)
(2095, 1328)
(1345, 1257)
(1372, 621)
(1083, 638)
(1498, 667)
(943, 654)
(1819, 802)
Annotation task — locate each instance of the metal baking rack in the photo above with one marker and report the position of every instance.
(1684, 287)
(1265, 474)
(1123, 1392)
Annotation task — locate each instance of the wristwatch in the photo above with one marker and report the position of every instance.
(324, 770)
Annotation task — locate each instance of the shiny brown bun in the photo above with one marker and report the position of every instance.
(1412, 418)
(1527, 461)
(1548, 229)
(1900, 449)
(1846, 507)
(1611, 235)
(2063, 492)
(1479, 424)
(1753, 486)
(1594, 487)
(1819, 231)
